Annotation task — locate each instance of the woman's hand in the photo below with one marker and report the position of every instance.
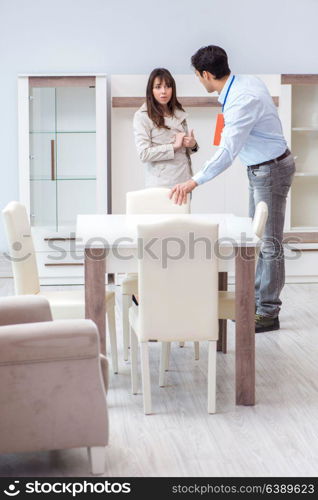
(180, 191)
(178, 140)
(189, 140)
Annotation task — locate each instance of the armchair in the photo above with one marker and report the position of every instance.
(51, 376)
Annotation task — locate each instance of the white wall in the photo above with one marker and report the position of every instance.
(132, 37)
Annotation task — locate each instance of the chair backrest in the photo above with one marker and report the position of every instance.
(21, 249)
(178, 281)
(260, 218)
(154, 201)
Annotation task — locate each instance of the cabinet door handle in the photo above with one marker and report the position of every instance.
(65, 264)
(304, 249)
(59, 239)
(52, 160)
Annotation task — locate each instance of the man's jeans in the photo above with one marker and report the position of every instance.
(271, 183)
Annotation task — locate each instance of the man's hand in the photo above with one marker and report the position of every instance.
(189, 140)
(178, 140)
(180, 191)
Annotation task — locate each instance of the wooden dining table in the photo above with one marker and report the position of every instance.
(110, 245)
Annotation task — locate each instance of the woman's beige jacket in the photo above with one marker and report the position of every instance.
(163, 165)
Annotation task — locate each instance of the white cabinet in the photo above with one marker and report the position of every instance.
(62, 164)
(301, 98)
(299, 114)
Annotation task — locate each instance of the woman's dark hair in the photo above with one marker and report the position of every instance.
(154, 108)
(212, 59)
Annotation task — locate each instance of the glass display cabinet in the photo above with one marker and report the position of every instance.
(63, 164)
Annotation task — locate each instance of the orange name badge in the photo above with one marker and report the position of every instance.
(218, 129)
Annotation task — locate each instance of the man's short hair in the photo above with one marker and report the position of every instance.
(212, 59)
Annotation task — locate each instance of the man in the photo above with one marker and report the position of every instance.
(252, 130)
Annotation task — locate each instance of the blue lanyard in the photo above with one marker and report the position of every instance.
(227, 92)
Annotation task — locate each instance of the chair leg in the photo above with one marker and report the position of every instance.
(112, 336)
(181, 344)
(127, 302)
(196, 350)
(211, 376)
(96, 455)
(164, 363)
(222, 342)
(134, 361)
(145, 371)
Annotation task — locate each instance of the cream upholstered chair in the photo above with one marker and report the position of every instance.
(64, 304)
(52, 376)
(145, 201)
(227, 299)
(178, 299)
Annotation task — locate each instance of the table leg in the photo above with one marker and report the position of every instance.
(245, 325)
(95, 304)
(222, 342)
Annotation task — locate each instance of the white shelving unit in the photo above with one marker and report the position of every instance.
(299, 113)
(62, 164)
(301, 93)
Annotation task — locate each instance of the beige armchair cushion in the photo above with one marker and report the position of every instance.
(48, 341)
(24, 309)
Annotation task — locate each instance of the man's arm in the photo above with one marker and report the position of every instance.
(240, 118)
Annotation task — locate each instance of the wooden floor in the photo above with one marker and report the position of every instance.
(277, 437)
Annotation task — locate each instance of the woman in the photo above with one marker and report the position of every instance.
(161, 134)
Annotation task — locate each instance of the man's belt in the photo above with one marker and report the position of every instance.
(275, 160)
